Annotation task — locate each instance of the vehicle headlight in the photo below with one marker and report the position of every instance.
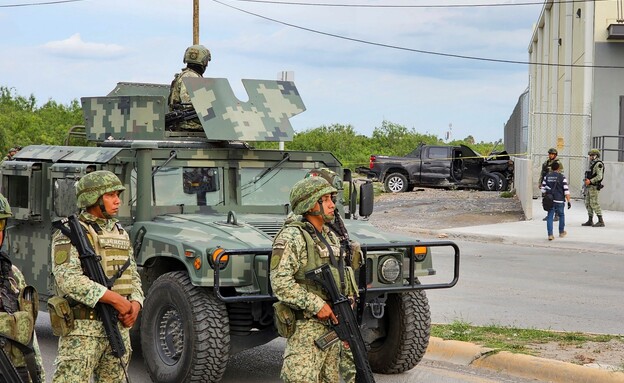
(389, 270)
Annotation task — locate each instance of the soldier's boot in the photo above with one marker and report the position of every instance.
(600, 222)
(590, 221)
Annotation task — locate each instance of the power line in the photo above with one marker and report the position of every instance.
(39, 3)
(475, 5)
(396, 47)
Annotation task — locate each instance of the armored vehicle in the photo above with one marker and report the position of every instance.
(202, 210)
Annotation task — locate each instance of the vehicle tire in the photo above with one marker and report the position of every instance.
(490, 182)
(407, 326)
(396, 183)
(502, 182)
(184, 332)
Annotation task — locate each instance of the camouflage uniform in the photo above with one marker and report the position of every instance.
(6, 327)
(595, 174)
(17, 316)
(198, 56)
(291, 258)
(85, 351)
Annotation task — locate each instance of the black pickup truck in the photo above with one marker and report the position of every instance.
(441, 166)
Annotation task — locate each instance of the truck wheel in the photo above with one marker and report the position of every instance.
(490, 182)
(396, 183)
(408, 326)
(184, 332)
(502, 182)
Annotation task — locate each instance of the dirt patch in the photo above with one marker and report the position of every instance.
(606, 355)
(436, 209)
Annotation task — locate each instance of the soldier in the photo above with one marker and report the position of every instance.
(10, 155)
(305, 243)
(85, 350)
(353, 259)
(18, 314)
(593, 184)
(547, 168)
(196, 58)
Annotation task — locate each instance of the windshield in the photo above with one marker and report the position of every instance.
(271, 189)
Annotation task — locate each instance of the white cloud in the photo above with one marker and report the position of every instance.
(75, 47)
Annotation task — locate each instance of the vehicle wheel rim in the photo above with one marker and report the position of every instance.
(395, 184)
(170, 342)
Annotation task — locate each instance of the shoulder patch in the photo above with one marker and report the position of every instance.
(599, 166)
(61, 254)
(276, 257)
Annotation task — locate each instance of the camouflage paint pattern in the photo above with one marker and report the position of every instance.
(124, 115)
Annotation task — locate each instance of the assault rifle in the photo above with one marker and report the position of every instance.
(180, 113)
(7, 369)
(347, 328)
(92, 268)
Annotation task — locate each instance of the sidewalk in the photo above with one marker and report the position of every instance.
(525, 366)
(533, 233)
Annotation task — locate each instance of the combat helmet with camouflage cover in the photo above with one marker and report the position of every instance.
(328, 174)
(197, 54)
(306, 192)
(594, 152)
(94, 185)
(552, 151)
(5, 208)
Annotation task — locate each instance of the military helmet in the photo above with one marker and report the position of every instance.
(5, 208)
(552, 151)
(306, 192)
(94, 185)
(594, 152)
(328, 174)
(197, 54)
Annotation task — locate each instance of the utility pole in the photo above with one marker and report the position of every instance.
(195, 22)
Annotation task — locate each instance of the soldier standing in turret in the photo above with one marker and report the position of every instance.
(85, 352)
(196, 58)
(593, 183)
(18, 314)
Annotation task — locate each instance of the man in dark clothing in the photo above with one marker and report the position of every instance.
(547, 168)
(556, 184)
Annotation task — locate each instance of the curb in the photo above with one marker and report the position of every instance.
(526, 366)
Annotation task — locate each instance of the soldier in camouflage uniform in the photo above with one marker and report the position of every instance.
(305, 243)
(196, 58)
(18, 314)
(353, 258)
(593, 184)
(10, 155)
(85, 351)
(547, 168)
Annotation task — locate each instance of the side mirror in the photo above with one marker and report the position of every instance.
(367, 196)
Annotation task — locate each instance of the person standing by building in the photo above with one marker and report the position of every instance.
(305, 243)
(593, 183)
(85, 352)
(547, 168)
(17, 314)
(556, 184)
(196, 58)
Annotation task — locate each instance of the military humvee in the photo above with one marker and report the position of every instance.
(202, 210)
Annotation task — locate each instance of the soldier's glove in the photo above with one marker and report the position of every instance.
(569, 205)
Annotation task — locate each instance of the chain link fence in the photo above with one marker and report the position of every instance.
(568, 134)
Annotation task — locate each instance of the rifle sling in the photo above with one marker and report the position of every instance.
(29, 357)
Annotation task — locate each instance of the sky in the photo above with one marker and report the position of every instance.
(354, 65)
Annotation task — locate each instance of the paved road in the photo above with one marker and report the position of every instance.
(262, 365)
(534, 287)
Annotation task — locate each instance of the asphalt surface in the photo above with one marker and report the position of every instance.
(609, 239)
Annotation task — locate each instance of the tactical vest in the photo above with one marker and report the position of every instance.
(318, 255)
(592, 170)
(114, 248)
